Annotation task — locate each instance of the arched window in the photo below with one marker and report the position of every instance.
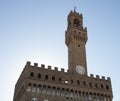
(53, 78)
(90, 84)
(44, 86)
(62, 92)
(46, 77)
(39, 85)
(60, 79)
(84, 83)
(34, 85)
(71, 81)
(78, 82)
(29, 84)
(107, 87)
(34, 88)
(76, 22)
(102, 86)
(32, 74)
(96, 86)
(39, 75)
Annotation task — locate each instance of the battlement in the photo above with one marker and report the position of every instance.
(100, 77)
(75, 13)
(28, 64)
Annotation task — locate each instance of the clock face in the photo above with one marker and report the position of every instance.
(80, 69)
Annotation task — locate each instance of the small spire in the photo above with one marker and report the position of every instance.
(75, 8)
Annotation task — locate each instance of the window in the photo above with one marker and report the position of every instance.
(84, 83)
(58, 92)
(71, 81)
(78, 45)
(39, 75)
(44, 89)
(96, 86)
(32, 74)
(39, 85)
(34, 85)
(39, 88)
(46, 77)
(90, 84)
(49, 90)
(63, 92)
(107, 87)
(29, 88)
(76, 22)
(53, 91)
(78, 82)
(53, 78)
(29, 84)
(60, 79)
(102, 86)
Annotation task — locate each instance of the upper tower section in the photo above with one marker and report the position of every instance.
(75, 23)
(75, 39)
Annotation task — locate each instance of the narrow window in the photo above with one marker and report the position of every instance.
(90, 84)
(78, 82)
(29, 84)
(96, 86)
(76, 22)
(84, 83)
(46, 77)
(107, 87)
(39, 75)
(53, 78)
(60, 79)
(102, 86)
(32, 74)
(71, 81)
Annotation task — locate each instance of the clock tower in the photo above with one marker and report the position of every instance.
(75, 39)
(43, 83)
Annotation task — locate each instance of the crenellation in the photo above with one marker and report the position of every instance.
(62, 70)
(91, 75)
(97, 76)
(85, 28)
(103, 77)
(36, 64)
(49, 67)
(108, 78)
(28, 63)
(42, 66)
(100, 78)
(79, 15)
(56, 68)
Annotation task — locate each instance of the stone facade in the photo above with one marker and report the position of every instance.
(42, 83)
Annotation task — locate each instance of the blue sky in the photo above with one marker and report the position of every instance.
(34, 30)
